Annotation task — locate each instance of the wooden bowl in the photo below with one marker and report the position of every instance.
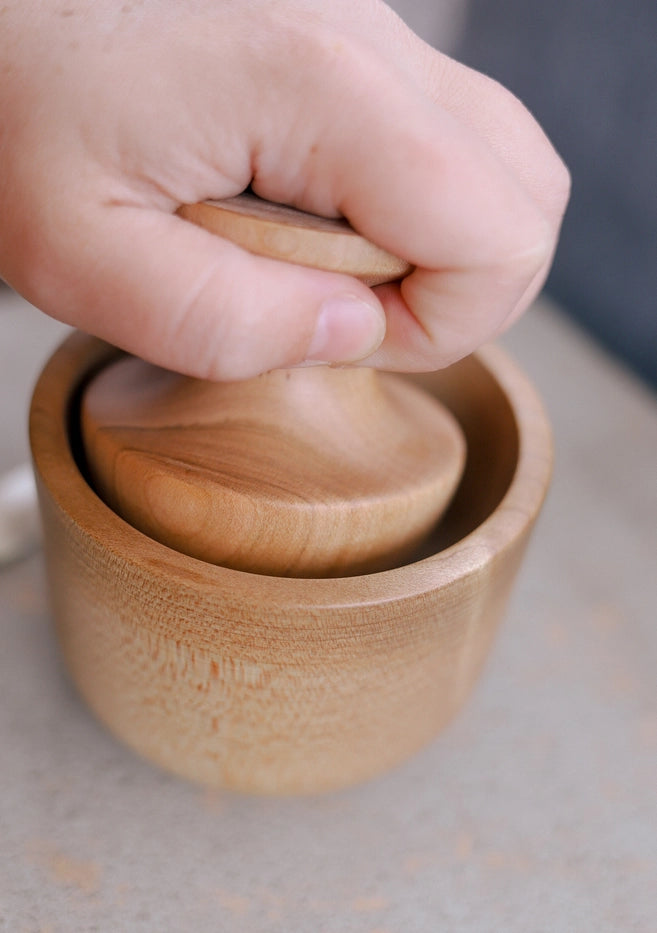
(286, 685)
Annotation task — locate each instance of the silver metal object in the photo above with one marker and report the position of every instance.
(20, 532)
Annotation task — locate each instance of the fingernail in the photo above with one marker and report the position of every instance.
(348, 329)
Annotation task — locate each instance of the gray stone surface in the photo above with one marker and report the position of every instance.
(535, 812)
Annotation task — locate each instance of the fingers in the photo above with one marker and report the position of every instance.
(425, 185)
(180, 297)
(480, 102)
(341, 110)
(502, 121)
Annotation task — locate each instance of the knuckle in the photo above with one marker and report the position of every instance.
(544, 171)
(560, 185)
(535, 248)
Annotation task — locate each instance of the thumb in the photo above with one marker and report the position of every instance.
(178, 296)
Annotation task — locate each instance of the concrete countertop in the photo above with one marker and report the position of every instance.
(536, 811)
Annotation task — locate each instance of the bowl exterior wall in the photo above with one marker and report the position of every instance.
(255, 683)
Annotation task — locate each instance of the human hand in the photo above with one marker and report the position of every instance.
(114, 114)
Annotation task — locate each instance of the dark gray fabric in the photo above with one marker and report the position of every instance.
(588, 71)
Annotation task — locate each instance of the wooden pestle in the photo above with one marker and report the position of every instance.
(308, 472)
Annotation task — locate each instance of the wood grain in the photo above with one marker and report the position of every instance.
(314, 472)
(285, 685)
(310, 472)
(281, 232)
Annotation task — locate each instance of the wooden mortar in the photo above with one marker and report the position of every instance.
(283, 684)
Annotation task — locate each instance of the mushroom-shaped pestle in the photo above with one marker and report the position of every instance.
(311, 472)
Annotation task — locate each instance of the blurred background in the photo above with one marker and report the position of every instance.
(587, 69)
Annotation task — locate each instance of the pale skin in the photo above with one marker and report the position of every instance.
(113, 113)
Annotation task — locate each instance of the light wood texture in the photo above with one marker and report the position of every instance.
(281, 232)
(276, 684)
(310, 472)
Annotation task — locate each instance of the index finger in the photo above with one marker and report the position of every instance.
(420, 182)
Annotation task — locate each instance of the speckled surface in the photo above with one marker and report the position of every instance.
(535, 812)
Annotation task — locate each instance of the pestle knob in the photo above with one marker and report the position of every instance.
(308, 472)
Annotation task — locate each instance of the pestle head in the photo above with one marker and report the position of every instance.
(309, 472)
